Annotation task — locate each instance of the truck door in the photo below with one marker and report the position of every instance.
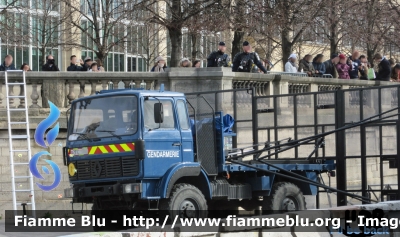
(163, 140)
(186, 133)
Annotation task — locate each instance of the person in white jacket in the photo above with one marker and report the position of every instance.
(290, 66)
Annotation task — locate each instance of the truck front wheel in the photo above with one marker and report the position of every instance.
(284, 196)
(186, 201)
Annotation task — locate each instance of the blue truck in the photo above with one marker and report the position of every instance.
(134, 149)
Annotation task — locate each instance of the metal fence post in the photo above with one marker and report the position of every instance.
(341, 178)
(254, 117)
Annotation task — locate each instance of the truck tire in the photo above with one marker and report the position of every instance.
(284, 196)
(186, 201)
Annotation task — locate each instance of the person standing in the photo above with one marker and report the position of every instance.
(76, 65)
(318, 65)
(355, 64)
(50, 64)
(47, 89)
(383, 68)
(185, 62)
(94, 67)
(363, 69)
(197, 63)
(245, 61)
(330, 65)
(160, 65)
(395, 75)
(87, 64)
(7, 64)
(306, 66)
(219, 58)
(290, 66)
(343, 68)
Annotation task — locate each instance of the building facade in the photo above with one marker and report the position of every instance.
(32, 29)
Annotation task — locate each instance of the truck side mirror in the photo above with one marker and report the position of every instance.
(158, 113)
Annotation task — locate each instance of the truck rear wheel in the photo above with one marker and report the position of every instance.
(186, 201)
(285, 196)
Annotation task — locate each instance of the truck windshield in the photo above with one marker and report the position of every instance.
(104, 117)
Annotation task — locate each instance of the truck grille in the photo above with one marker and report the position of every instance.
(106, 168)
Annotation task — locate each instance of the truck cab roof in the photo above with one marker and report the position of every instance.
(137, 92)
(141, 92)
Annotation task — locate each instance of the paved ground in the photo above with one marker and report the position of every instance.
(26, 234)
(74, 234)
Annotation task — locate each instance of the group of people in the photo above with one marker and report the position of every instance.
(246, 61)
(8, 64)
(161, 65)
(79, 65)
(341, 66)
(76, 64)
(216, 59)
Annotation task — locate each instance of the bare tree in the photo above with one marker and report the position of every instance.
(46, 26)
(8, 5)
(174, 15)
(202, 28)
(370, 25)
(12, 31)
(332, 24)
(102, 23)
(285, 21)
(31, 23)
(150, 42)
(394, 33)
(239, 25)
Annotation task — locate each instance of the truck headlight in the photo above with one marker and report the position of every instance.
(69, 193)
(132, 188)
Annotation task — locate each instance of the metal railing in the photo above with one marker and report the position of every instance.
(300, 74)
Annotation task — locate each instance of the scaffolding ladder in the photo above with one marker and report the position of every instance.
(19, 116)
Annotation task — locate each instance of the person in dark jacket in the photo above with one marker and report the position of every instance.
(318, 65)
(330, 65)
(383, 68)
(87, 64)
(246, 60)
(356, 63)
(50, 65)
(219, 58)
(7, 64)
(306, 65)
(76, 65)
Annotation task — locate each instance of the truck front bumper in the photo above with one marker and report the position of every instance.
(103, 190)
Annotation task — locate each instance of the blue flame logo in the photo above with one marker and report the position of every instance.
(51, 136)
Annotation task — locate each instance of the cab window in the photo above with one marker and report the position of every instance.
(104, 117)
(182, 114)
(168, 122)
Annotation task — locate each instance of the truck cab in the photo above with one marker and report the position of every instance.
(137, 149)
